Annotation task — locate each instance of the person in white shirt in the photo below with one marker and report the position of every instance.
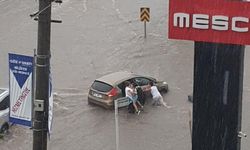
(157, 97)
(131, 94)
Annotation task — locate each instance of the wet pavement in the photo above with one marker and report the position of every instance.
(98, 37)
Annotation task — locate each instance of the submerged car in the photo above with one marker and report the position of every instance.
(4, 110)
(110, 87)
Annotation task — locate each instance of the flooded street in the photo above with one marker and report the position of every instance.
(97, 37)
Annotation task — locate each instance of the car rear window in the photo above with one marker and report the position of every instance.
(102, 87)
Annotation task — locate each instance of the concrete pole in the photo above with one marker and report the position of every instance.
(40, 122)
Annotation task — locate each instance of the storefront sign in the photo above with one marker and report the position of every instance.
(210, 21)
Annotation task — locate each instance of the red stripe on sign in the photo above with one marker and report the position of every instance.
(210, 21)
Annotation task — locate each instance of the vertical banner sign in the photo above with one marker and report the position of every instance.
(20, 84)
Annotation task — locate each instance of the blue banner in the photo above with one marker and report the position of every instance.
(20, 72)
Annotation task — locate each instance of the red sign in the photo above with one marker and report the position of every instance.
(218, 21)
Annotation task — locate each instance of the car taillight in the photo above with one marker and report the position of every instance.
(113, 92)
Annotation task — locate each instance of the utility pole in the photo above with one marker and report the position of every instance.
(40, 121)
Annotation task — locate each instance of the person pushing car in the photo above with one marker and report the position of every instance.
(157, 97)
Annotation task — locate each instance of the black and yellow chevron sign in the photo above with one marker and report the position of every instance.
(145, 14)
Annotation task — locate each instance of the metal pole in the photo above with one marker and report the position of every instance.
(217, 100)
(145, 29)
(40, 122)
(33, 84)
(116, 125)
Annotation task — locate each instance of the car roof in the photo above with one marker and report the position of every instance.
(116, 77)
(3, 93)
(3, 90)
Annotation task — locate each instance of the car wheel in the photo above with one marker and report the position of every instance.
(4, 128)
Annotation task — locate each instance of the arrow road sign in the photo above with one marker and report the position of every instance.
(145, 14)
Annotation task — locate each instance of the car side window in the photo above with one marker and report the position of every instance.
(5, 103)
(142, 81)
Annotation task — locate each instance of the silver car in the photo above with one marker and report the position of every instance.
(110, 87)
(4, 110)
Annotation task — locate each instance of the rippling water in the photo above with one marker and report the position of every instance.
(98, 37)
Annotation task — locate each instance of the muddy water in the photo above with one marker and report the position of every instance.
(98, 37)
